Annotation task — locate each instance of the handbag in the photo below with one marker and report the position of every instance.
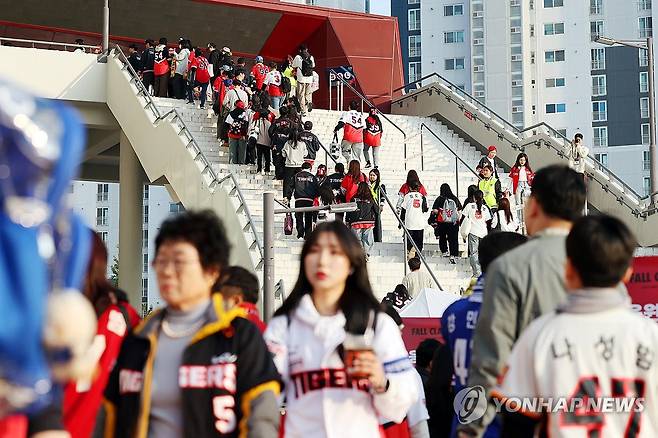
(334, 147)
(465, 227)
(287, 224)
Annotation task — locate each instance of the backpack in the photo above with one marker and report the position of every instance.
(238, 127)
(449, 213)
(307, 66)
(285, 86)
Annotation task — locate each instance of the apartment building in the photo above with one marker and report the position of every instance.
(536, 60)
(98, 204)
(348, 5)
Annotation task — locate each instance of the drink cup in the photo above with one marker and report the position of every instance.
(355, 345)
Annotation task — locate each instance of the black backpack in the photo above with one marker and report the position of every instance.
(307, 66)
(285, 86)
(238, 127)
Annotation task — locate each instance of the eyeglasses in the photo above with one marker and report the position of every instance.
(160, 264)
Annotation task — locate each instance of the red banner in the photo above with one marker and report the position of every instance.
(417, 329)
(643, 287)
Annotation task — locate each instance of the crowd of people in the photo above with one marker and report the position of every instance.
(332, 359)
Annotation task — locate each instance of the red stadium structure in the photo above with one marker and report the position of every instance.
(270, 28)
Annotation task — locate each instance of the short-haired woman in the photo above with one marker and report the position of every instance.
(193, 369)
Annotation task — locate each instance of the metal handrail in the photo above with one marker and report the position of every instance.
(519, 133)
(407, 234)
(423, 125)
(372, 105)
(199, 154)
(47, 43)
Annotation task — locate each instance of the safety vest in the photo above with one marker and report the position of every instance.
(488, 187)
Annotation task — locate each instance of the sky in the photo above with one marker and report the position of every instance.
(381, 7)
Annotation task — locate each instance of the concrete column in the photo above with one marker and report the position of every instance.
(131, 183)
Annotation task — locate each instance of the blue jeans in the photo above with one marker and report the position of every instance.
(366, 237)
(276, 101)
(473, 246)
(202, 97)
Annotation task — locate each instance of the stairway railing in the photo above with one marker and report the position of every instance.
(638, 205)
(212, 179)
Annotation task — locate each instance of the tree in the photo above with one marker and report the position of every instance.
(114, 278)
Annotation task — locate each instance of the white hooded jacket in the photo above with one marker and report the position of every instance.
(321, 401)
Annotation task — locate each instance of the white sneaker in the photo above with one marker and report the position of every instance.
(262, 172)
(446, 254)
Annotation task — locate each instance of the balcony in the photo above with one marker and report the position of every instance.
(600, 116)
(644, 5)
(646, 138)
(599, 90)
(102, 197)
(646, 33)
(646, 164)
(598, 64)
(600, 142)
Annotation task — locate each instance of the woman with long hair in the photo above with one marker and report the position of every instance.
(362, 220)
(342, 360)
(414, 206)
(475, 226)
(82, 400)
(193, 368)
(504, 219)
(470, 195)
(350, 183)
(412, 179)
(294, 152)
(522, 176)
(378, 192)
(447, 209)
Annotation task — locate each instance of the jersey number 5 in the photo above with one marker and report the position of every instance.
(587, 389)
(223, 408)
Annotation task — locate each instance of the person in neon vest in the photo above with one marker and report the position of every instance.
(490, 186)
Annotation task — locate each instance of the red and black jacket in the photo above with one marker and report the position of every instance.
(227, 358)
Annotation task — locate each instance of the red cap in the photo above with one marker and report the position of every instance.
(239, 104)
(491, 148)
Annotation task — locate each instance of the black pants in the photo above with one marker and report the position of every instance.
(448, 235)
(180, 85)
(147, 79)
(377, 232)
(279, 164)
(251, 152)
(263, 153)
(417, 236)
(304, 221)
(289, 181)
(160, 85)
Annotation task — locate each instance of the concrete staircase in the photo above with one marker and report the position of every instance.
(386, 266)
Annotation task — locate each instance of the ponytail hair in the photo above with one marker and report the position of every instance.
(479, 200)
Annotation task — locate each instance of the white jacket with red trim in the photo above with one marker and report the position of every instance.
(321, 400)
(354, 124)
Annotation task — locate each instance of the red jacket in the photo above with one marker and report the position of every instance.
(514, 174)
(253, 316)
(372, 136)
(82, 400)
(201, 66)
(350, 186)
(259, 71)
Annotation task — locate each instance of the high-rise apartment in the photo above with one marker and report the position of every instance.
(536, 60)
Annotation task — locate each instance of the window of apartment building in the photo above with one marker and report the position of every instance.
(644, 57)
(414, 19)
(646, 160)
(104, 236)
(601, 137)
(146, 214)
(145, 238)
(599, 85)
(644, 5)
(554, 56)
(145, 287)
(456, 36)
(553, 28)
(145, 192)
(600, 111)
(644, 82)
(102, 193)
(553, 3)
(646, 184)
(595, 29)
(414, 71)
(645, 27)
(145, 263)
(644, 107)
(553, 108)
(101, 216)
(451, 10)
(562, 132)
(414, 46)
(596, 7)
(602, 158)
(413, 2)
(454, 64)
(646, 133)
(598, 59)
(555, 82)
